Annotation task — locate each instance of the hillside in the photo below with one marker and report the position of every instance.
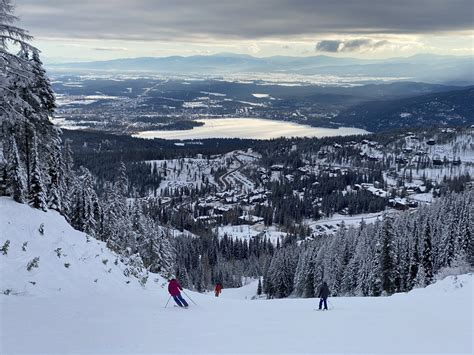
(93, 307)
(68, 260)
(439, 109)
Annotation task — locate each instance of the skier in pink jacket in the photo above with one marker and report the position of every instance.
(174, 288)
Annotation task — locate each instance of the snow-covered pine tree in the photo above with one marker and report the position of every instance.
(404, 240)
(349, 279)
(154, 244)
(68, 180)
(121, 185)
(37, 193)
(27, 102)
(304, 274)
(42, 87)
(414, 261)
(117, 225)
(15, 174)
(364, 259)
(15, 72)
(335, 261)
(85, 208)
(319, 271)
(427, 256)
(375, 280)
(449, 234)
(56, 176)
(465, 239)
(386, 263)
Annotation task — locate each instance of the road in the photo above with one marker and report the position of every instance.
(223, 178)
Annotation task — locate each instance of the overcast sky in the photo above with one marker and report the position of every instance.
(105, 29)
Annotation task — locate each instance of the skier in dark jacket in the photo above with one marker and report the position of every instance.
(323, 294)
(174, 288)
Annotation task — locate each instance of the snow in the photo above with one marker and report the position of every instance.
(110, 316)
(246, 232)
(332, 224)
(89, 258)
(261, 96)
(186, 172)
(195, 104)
(212, 93)
(65, 100)
(424, 198)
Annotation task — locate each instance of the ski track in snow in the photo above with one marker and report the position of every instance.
(133, 323)
(110, 316)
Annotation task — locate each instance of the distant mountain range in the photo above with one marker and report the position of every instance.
(422, 67)
(451, 108)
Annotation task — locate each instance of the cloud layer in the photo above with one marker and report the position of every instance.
(207, 20)
(352, 45)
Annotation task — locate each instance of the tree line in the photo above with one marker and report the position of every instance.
(394, 254)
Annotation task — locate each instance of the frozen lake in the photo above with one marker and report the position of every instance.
(250, 128)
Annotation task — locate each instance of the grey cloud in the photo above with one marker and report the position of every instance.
(242, 19)
(353, 45)
(109, 49)
(328, 46)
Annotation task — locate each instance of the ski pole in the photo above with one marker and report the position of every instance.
(189, 298)
(168, 302)
(330, 303)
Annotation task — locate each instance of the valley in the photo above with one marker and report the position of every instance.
(130, 104)
(323, 182)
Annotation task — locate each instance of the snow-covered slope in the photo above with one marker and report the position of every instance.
(66, 311)
(68, 260)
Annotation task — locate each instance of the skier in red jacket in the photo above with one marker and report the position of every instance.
(218, 289)
(174, 288)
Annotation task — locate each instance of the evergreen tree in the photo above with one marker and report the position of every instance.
(37, 193)
(15, 174)
(386, 262)
(259, 287)
(44, 94)
(427, 260)
(56, 175)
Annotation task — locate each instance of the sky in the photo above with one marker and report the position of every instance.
(78, 30)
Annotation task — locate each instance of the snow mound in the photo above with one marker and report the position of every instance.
(449, 285)
(46, 255)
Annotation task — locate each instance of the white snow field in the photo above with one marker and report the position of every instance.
(89, 307)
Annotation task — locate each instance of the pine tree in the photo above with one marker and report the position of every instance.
(386, 257)
(464, 241)
(449, 237)
(85, 209)
(37, 193)
(16, 178)
(56, 174)
(427, 260)
(44, 94)
(15, 72)
(26, 105)
(259, 287)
